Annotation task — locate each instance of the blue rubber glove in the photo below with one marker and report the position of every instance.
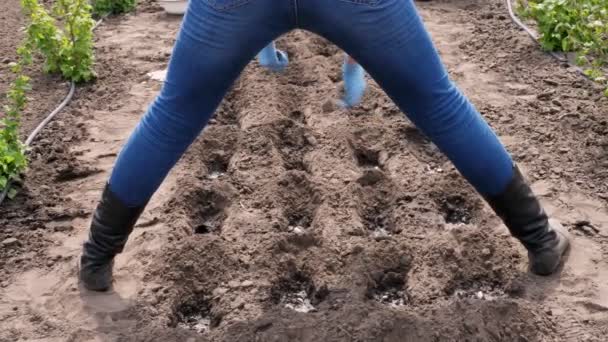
(273, 59)
(354, 83)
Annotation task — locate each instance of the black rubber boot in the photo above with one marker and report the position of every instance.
(520, 210)
(112, 223)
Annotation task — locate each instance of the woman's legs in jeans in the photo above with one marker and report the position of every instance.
(386, 36)
(212, 49)
(214, 45)
(389, 40)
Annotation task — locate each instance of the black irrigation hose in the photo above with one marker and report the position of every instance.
(44, 122)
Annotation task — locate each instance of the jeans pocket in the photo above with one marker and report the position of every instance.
(363, 2)
(224, 5)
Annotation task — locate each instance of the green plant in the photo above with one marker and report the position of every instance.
(12, 151)
(106, 7)
(67, 51)
(579, 26)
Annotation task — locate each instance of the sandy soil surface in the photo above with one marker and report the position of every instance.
(291, 220)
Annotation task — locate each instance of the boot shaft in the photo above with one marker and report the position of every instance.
(112, 224)
(522, 213)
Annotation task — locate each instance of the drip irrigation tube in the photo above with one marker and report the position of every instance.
(534, 37)
(50, 117)
(46, 120)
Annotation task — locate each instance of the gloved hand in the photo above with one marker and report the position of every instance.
(273, 59)
(354, 83)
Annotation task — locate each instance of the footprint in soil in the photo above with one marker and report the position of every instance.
(194, 314)
(298, 293)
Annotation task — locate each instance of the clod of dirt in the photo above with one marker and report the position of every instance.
(71, 172)
(10, 242)
(298, 293)
(194, 314)
(330, 106)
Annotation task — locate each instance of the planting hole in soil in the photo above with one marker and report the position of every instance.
(217, 166)
(377, 209)
(389, 289)
(379, 221)
(299, 221)
(292, 143)
(194, 314)
(297, 116)
(455, 210)
(367, 159)
(297, 293)
(299, 199)
(208, 208)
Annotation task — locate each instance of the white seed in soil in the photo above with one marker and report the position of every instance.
(392, 299)
(299, 231)
(197, 323)
(397, 303)
(380, 234)
(488, 295)
(300, 303)
(215, 175)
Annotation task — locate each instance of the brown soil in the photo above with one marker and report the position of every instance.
(288, 220)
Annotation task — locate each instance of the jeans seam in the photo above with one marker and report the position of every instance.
(363, 2)
(295, 13)
(232, 5)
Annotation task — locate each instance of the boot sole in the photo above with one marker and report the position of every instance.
(563, 247)
(82, 282)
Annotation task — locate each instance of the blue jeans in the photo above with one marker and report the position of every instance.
(219, 38)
